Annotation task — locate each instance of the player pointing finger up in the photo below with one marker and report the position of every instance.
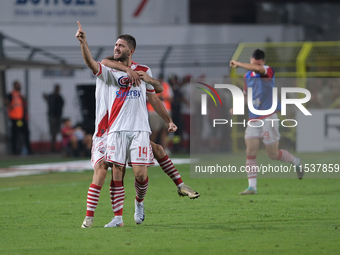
(80, 33)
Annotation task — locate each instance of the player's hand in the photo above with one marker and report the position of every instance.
(171, 127)
(231, 111)
(233, 63)
(134, 77)
(81, 36)
(144, 76)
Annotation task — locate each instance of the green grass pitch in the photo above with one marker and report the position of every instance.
(42, 214)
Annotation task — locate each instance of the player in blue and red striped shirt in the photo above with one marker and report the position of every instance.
(261, 79)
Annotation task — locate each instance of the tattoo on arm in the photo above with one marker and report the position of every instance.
(157, 85)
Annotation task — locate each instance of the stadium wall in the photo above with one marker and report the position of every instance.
(158, 23)
(160, 35)
(323, 131)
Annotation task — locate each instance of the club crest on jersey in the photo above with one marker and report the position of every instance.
(124, 82)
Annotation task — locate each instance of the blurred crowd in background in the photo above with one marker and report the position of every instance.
(71, 139)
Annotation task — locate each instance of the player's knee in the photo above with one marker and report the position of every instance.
(158, 151)
(141, 176)
(100, 173)
(99, 177)
(100, 169)
(272, 155)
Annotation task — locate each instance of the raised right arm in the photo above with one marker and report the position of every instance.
(90, 62)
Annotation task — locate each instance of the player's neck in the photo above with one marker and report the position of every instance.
(127, 62)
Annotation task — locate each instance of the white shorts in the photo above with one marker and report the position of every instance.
(133, 148)
(98, 149)
(269, 131)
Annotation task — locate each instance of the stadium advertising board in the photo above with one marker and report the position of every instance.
(95, 12)
(54, 11)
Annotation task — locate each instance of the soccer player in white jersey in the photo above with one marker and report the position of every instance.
(261, 79)
(128, 132)
(99, 144)
(162, 158)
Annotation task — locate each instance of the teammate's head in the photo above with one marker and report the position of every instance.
(124, 48)
(16, 85)
(258, 54)
(67, 122)
(56, 89)
(258, 57)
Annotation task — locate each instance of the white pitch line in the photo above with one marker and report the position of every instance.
(69, 166)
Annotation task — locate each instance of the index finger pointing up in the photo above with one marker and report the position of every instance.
(79, 25)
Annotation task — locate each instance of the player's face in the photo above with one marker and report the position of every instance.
(122, 50)
(259, 62)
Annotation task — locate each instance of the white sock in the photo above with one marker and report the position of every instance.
(251, 165)
(252, 183)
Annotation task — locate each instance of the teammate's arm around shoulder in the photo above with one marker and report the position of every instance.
(153, 82)
(251, 67)
(85, 50)
(110, 62)
(159, 108)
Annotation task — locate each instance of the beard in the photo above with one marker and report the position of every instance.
(124, 56)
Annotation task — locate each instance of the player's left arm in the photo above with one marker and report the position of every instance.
(153, 82)
(251, 67)
(159, 108)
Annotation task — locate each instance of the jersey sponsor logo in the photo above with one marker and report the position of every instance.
(131, 94)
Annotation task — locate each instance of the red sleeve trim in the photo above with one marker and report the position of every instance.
(269, 73)
(150, 91)
(99, 70)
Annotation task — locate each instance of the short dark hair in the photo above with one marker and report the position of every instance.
(258, 54)
(131, 41)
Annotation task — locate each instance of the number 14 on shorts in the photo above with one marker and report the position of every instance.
(143, 150)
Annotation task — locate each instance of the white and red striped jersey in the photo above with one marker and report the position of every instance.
(101, 110)
(125, 104)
